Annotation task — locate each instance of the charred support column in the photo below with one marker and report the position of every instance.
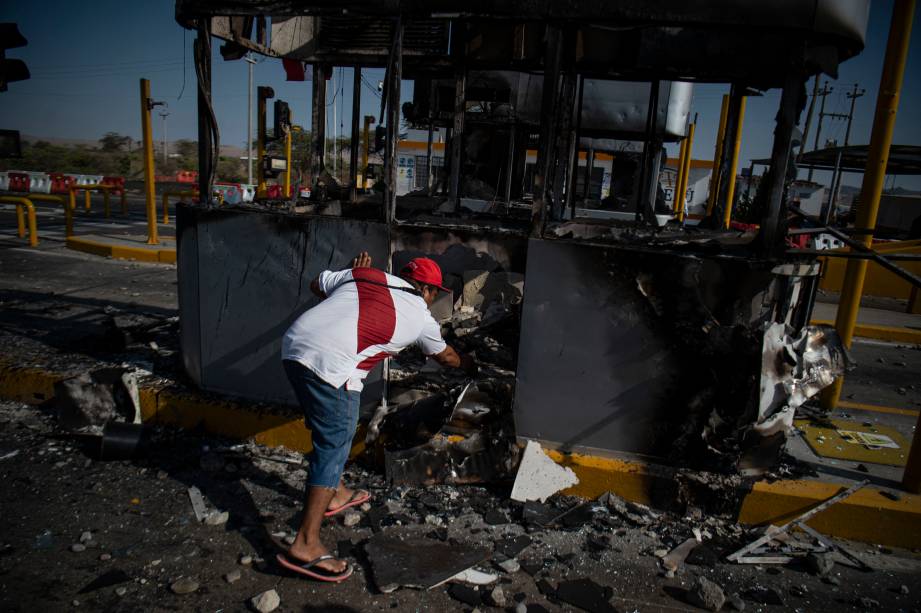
(460, 108)
(566, 146)
(510, 163)
(206, 132)
(393, 123)
(318, 124)
(772, 230)
(552, 60)
(353, 150)
(649, 176)
(575, 146)
(730, 154)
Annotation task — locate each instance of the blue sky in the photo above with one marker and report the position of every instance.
(86, 59)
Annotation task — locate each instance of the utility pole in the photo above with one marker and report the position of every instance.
(818, 131)
(853, 95)
(164, 114)
(815, 93)
(249, 119)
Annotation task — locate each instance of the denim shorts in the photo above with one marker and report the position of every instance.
(331, 415)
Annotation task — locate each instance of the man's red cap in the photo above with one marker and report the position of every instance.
(424, 270)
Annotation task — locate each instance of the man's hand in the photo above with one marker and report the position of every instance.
(452, 359)
(362, 261)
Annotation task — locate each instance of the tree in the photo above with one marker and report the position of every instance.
(112, 142)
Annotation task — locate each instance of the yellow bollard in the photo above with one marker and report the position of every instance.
(887, 104)
(733, 165)
(147, 135)
(68, 211)
(676, 200)
(687, 170)
(24, 203)
(717, 155)
(165, 207)
(86, 199)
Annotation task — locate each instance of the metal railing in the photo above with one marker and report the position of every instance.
(24, 203)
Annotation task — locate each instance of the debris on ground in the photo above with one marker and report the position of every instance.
(266, 602)
(706, 594)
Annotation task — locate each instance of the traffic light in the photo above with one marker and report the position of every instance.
(11, 70)
(380, 138)
(282, 119)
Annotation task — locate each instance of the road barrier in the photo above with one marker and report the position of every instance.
(87, 188)
(166, 197)
(24, 203)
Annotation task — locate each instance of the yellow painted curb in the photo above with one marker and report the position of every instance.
(882, 333)
(860, 406)
(865, 516)
(152, 253)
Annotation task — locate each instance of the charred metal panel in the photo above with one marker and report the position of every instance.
(254, 270)
(189, 304)
(630, 350)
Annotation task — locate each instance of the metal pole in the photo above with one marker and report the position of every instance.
(887, 104)
(552, 59)
(318, 124)
(249, 119)
(353, 147)
(163, 116)
(147, 136)
(369, 119)
(857, 93)
(679, 176)
(263, 94)
(776, 178)
(818, 131)
(393, 124)
(460, 110)
(288, 164)
(717, 156)
(429, 163)
(733, 164)
(687, 169)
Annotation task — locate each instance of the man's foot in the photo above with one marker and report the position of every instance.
(345, 498)
(303, 552)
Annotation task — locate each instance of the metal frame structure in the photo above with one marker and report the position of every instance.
(753, 46)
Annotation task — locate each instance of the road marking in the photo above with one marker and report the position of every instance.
(860, 406)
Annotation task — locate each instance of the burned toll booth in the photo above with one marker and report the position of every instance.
(638, 333)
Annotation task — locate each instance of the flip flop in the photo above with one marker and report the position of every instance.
(354, 501)
(310, 569)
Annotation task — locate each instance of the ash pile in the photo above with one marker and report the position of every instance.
(439, 426)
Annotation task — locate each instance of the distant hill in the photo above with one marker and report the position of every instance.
(226, 150)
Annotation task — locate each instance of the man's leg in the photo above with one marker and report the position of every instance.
(343, 494)
(327, 412)
(307, 545)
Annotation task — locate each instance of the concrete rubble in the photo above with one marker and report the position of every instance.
(566, 552)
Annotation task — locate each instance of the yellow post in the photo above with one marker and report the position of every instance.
(165, 207)
(733, 165)
(720, 135)
(288, 164)
(147, 134)
(260, 144)
(24, 203)
(687, 170)
(86, 199)
(364, 152)
(887, 104)
(676, 200)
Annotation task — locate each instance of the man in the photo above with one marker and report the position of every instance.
(365, 315)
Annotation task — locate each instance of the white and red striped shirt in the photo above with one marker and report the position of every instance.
(361, 322)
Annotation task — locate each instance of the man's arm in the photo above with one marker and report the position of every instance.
(450, 358)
